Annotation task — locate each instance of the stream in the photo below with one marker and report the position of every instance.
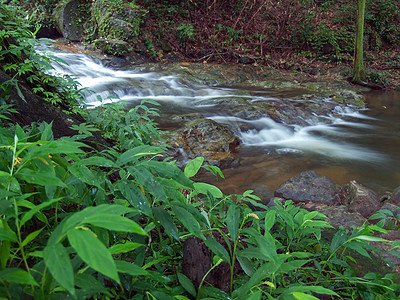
(350, 144)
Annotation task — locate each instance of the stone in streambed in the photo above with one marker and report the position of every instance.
(359, 199)
(309, 186)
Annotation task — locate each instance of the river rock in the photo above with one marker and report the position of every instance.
(309, 186)
(338, 215)
(214, 141)
(70, 17)
(395, 199)
(359, 199)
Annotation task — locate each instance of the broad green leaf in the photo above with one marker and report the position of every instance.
(193, 166)
(124, 248)
(135, 196)
(188, 221)
(217, 249)
(40, 177)
(47, 133)
(31, 237)
(255, 296)
(269, 220)
(309, 289)
(98, 161)
(35, 209)
(203, 188)
(165, 219)
(149, 181)
(370, 238)
(246, 265)
(7, 234)
(93, 252)
(19, 276)
(263, 272)
(114, 222)
(59, 264)
(290, 266)
(187, 284)
(130, 268)
(303, 296)
(82, 172)
(89, 286)
(338, 240)
(233, 221)
(78, 218)
(167, 170)
(133, 155)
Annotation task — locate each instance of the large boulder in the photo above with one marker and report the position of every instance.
(359, 199)
(70, 17)
(215, 142)
(309, 186)
(118, 22)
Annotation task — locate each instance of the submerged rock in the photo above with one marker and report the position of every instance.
(309, 186)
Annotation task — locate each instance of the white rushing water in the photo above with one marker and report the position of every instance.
(328, 135)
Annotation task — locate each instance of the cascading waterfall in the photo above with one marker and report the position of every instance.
(337, 139)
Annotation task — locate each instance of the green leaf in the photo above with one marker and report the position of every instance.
(338, 240)
(82, 172)
(40, 177)
(78, 218)
(290, 266)
(187, 219)
(165, 219)
(217, 249)
(187, 284)
(203, 188)
(34, 210)
(269, 220)
(149, 181)
(59, 264)
(303, 296)
(133, 155)
(93, 252)
(167, 170)
(370, 238)
(98, 161)
(31, 237)
(193, 166)
(124, 248)
(130, 268)
(7, 235)
(19, 276)
(246, 265)
(114, 222)
(135, 196)
(233, 221)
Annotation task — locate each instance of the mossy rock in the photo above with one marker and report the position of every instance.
(112, 47)
(70, 17)
(117, 21)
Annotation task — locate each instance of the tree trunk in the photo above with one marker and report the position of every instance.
(359, 71)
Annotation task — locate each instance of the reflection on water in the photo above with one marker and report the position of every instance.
(350, 145)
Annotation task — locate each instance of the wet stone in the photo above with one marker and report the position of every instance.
(309, 186)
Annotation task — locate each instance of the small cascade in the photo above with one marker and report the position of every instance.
(336, 135)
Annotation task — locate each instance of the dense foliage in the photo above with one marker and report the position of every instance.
(80, 222)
